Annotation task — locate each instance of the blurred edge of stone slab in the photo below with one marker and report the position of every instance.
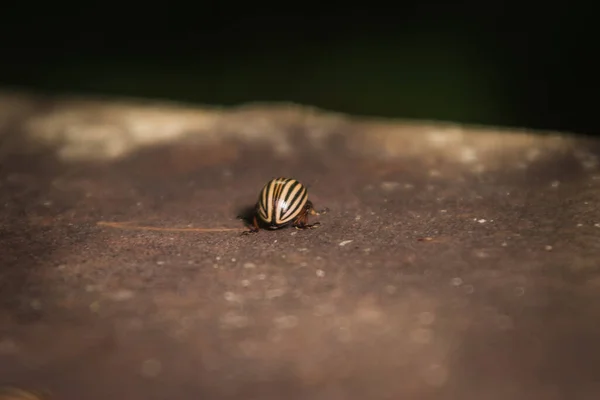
(94, 128)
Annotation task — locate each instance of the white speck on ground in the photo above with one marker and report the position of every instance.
(92, 288)
(121, 295)
(320, 273)
(345, 242)
(249, 265)
(276, 292)
(533, 154)
(232, 297)
(456, 281)
(481, 254)
(286, 322)
(468, 155)
(389, 186)
(369, 314)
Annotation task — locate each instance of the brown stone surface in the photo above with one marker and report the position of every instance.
(455, 263)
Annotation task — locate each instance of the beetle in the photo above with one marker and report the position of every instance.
(281, 202)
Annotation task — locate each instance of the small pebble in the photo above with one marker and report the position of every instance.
(121, 295)
(345, 242)
(456, 281)
(320, 273)
(230, 296)
(389, 186)
(548, 247)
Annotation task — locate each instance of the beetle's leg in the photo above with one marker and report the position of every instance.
(254, 228)
(301, 221)
(307, 226)
(311, 209)
(321, 212)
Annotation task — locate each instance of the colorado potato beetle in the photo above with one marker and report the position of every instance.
(281, 202)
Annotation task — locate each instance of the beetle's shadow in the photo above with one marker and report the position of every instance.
(246, 214)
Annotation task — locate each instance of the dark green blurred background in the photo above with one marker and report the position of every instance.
(502, 63)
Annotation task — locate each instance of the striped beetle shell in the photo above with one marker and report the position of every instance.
(282, 201)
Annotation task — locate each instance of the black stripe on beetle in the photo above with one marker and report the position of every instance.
(283, 202)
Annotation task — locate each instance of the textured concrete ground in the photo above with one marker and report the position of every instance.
(455, 263)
